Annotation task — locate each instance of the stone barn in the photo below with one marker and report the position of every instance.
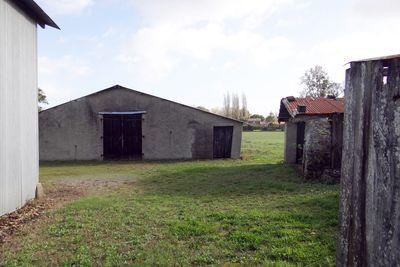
(313, 134)
(19, 162)
(120, 123)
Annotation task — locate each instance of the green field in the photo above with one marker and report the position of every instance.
(250, 211)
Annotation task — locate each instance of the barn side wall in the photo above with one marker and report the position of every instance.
(73, 131)
(18, 108)
(290, 142)
(370, 186)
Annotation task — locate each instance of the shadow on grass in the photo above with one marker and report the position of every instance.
(225, 180)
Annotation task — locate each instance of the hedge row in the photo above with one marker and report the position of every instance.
(269, 127)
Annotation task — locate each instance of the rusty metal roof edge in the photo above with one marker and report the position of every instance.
(286, 104)
(295, 113)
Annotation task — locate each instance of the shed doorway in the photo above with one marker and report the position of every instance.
(122, 136)
(223, 141)
(301, 126)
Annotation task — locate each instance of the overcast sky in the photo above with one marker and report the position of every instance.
(193, 51)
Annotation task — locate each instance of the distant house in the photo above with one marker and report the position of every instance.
(313, 133)
(18, 101)
(121, 123)
(254, 121)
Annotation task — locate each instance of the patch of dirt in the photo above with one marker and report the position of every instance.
(12, 222)
(56, 196)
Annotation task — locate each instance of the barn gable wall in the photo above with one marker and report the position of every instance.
(73, 131)
(18, 108)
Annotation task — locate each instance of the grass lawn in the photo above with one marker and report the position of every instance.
(250, 211)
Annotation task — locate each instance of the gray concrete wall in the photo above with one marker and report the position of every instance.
(73, 131)
(18, 108)
(290, 142)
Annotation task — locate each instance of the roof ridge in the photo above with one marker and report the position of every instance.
(117, 86)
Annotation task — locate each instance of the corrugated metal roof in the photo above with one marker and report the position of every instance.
(36, 12)
(314, 106)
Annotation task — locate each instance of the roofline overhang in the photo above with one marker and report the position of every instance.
(36, 12)
(396, 56)
(295, 113)
(122, 113)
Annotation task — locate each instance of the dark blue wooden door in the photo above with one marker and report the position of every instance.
(122, 137)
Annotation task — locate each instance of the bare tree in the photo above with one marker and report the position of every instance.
(244, 111)
(235, 113)
(336, 89)
(234, 108)
(227, 105)
(316, 83)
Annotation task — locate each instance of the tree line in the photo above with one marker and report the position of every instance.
(233, 106)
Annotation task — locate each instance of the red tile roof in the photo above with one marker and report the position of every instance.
(314, 106)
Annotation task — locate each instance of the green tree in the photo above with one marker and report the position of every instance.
(42, 99)
(257, 116)
(271, 118)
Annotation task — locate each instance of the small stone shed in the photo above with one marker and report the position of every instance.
(120, 123)
(313, 133)
(370, 186)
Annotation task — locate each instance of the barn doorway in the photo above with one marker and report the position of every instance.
(301, 126)
(122, 136)
(223, 141)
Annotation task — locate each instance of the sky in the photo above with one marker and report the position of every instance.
(194, 51)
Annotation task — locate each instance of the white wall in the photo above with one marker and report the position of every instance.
(18, 108)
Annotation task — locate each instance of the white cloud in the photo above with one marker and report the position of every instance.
(66, 65)
(376, 9)
(188, 13)
(65, 6)
(201, 31)
(56, 92)
(156, 51)
(360, 42)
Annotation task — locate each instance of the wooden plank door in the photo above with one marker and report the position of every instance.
(132, 136)
(122, 137)
(112, 137)
(223, 141)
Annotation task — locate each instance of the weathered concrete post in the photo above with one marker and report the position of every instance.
(370, 187)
